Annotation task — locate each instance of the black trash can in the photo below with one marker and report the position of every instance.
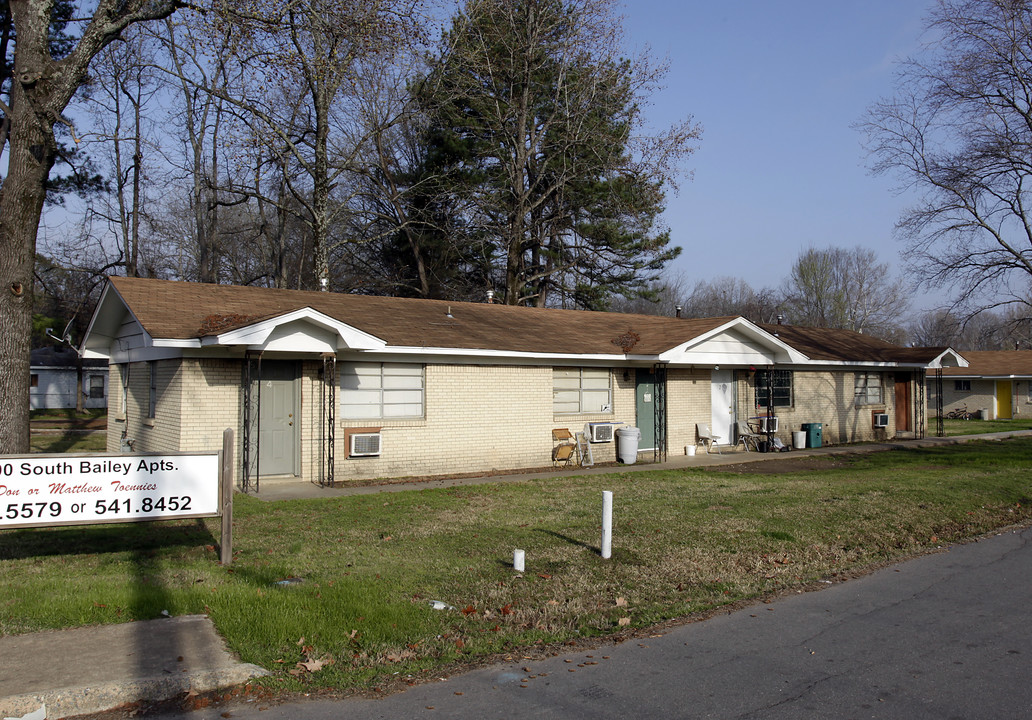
(813, 434)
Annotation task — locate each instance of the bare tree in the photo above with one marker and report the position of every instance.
(959, 132)
(986, 330)
(730, 296)
(120, 89)
(839, 288)
(293, 101)
(193, 64)
(40, 91)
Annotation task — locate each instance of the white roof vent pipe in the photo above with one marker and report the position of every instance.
(490, 297)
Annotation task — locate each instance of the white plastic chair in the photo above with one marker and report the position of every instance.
(706, 438)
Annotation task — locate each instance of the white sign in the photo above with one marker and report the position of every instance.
(78, 489)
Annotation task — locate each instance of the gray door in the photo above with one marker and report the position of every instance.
(645, 407)
(277, 450)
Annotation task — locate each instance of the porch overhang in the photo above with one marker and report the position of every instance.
(735, 343)
(304, 330)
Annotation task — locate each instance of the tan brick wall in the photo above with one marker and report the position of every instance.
(826, 397)
(477, 418)
(689, 402)
(161, 433)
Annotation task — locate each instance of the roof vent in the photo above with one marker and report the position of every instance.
(677, 310)
(490, 297)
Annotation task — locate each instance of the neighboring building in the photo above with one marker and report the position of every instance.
(330, 387)
(996, 383)
(54, 379)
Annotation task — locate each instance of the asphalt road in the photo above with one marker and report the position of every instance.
(944, 636)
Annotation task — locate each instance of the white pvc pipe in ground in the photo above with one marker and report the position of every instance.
(607, 524)
(518, 560)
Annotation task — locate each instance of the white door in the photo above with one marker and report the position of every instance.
(722, 405)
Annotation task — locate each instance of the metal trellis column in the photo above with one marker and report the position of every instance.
(252, 417)
(329, 404)
(659, 409)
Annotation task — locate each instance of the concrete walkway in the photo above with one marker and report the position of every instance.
(92, 669)
(89, 670)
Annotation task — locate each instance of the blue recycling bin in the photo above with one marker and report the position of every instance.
(813, 434)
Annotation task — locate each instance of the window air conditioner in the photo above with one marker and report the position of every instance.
(881, 420)
(768, 424)
(599, 432)
(365, 445)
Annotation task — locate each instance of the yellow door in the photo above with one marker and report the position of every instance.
(1003, 400)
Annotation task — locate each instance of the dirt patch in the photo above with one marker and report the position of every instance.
(778, 466)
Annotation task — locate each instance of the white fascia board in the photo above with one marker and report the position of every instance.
(780, 352)
(861, 364)
(503, 356)
(258, 334)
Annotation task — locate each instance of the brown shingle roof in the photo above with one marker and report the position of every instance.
(848, 346)
(180, 310)
(994, 363)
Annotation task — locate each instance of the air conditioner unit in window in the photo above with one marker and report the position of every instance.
(364, 445)
(768, 424)
(881, 420)
(599, 432)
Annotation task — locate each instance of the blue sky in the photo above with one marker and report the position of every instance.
(776, 87)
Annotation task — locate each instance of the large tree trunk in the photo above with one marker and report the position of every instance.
(21, 202)
(41, 88)
(32, 150)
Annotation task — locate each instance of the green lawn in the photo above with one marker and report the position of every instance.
(979, 427)
(684, 542)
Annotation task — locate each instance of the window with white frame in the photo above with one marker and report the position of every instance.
(381, 391)
(774, 386)
(867, 389)
(581, 390)
(962, 386)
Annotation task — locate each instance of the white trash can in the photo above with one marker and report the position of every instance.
(627, 444)
(799, 439)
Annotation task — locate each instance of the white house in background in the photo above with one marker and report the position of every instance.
(54, 380)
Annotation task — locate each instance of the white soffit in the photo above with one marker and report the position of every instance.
(738, 342)
(304, 330)
(948, 358)
(105, 324)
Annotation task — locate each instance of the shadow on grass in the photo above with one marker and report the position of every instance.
(620, 555)
(140, 538)
(571, 540)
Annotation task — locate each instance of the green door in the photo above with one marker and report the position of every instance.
(645, 408)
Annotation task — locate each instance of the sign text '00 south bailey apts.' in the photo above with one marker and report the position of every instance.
(63, 489)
